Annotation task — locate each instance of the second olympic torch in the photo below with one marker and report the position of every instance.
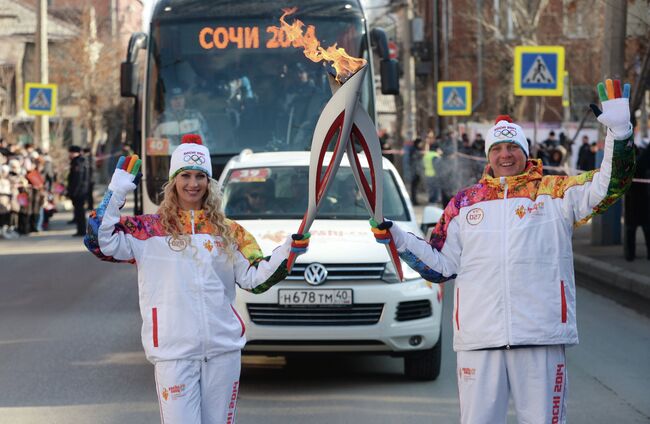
(345, 118)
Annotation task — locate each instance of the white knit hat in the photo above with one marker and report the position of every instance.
(190, 154)
(504, 131)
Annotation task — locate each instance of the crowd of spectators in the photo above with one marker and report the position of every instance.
(29, 189)
(442, 164)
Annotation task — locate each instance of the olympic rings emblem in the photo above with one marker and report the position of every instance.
(199, 160)
(505, 132)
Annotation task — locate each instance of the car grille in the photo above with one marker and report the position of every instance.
(273, 314)
(355, 271)
(414, 309)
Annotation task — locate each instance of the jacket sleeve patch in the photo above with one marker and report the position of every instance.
(556, 186)
(247, 244)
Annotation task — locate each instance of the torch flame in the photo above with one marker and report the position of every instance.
(344, 64)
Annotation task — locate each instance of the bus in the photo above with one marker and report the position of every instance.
(226, 71)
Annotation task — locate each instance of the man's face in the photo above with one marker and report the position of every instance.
(256, 198)
(506, 159)
(177, 103)
(585, 140)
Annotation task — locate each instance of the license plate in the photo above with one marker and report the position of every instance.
(315, 297)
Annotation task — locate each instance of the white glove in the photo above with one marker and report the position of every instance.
(616, 108)
(616, 117)
(122, 182)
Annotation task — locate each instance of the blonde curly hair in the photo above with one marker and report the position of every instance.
(212, 201)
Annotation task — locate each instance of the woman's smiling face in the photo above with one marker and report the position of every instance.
(191, 188)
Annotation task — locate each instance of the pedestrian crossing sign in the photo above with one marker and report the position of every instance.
(454, 98)
(539, 70)
(40, 99)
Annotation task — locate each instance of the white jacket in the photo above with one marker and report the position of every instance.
(507, 243)
(186, 287)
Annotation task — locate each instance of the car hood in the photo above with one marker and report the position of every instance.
(332, 241)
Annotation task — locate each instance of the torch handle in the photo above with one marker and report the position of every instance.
(307, 220)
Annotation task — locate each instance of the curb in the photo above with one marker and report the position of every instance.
(611, 276)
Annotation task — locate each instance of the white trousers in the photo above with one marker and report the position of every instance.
(199, 392)
(536, 377)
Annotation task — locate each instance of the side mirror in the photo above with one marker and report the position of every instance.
(129, 68)
(389, 69)
(128, 79)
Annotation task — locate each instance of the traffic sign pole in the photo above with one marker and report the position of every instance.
(42, 122)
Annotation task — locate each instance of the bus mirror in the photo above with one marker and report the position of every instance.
(128, 79)
(389, 70)
(129, 68)
(388, 67)
(380, 42)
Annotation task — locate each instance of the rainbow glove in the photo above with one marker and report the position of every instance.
(381, 231)
(299, 243)
(125, 174)
(616, 108)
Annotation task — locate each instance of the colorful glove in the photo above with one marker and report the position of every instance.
(616, 108)
(381, 231)
(299, 243)
(126, 172)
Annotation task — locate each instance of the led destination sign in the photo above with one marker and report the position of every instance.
(242, 38)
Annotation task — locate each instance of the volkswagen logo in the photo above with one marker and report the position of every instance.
(315, 274)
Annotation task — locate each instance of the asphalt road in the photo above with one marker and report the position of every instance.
(70, 353)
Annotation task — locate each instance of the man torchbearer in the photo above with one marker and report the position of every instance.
(507, 243)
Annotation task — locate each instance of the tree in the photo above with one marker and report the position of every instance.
(87, 71)
(509, 23)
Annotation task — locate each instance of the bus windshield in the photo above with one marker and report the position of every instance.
(239, 84)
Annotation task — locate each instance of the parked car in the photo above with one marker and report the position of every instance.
(343, 295)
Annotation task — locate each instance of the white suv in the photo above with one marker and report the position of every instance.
(343, 294)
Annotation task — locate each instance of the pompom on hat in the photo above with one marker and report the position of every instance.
(190, 154)
(505, 131)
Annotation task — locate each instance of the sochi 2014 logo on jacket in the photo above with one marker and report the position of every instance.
(475, 216)
(535, 209)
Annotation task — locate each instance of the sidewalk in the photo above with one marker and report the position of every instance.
(606, 266)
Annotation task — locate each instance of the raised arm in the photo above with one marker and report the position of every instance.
(592, 192)
(105, 236)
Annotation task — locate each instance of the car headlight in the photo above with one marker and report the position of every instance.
(390, 275)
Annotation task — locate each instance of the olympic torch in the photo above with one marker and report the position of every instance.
(343, 114)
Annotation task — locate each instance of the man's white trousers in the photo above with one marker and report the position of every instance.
(536, 377)
(199, 392)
